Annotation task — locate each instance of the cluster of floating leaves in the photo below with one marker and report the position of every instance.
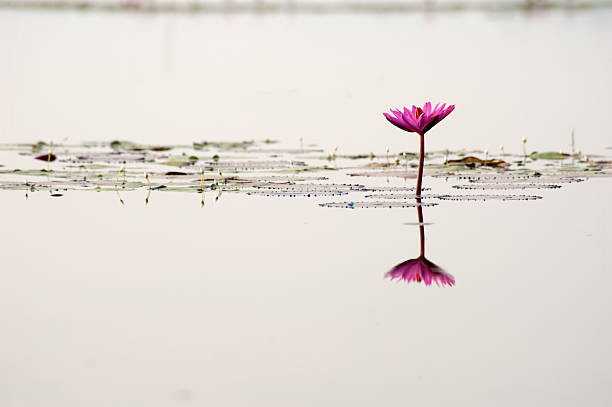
(258, 169)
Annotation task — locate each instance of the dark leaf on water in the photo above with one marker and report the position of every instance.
(473, 162)
(46, 157)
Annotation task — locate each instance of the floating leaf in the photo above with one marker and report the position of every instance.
(38, 147)
(379, 204)
(550, 155)
(401, 196)
(391, 189)
(178, 161)
(473, 162)
(125, 145)
(489, 197)
(312, 187)
(399, 174)
(253, 165)
(522, 180)
(298, 193)
(46, 157)
(508, 186)
(222, 145)
(278, 178)
(293, 151)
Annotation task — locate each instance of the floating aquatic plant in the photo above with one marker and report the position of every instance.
(375, 204)
(294, 194)
(310, 187)
(419, 120)
(507, 186)
(450, 197)
(401, 196)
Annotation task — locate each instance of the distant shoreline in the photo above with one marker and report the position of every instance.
(288, 6)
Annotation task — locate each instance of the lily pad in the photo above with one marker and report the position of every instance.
(125, 146)
(312, 187)
(473, 162)
(402, 196)
(294, 194)
(508, 186)
(489, 197)
(550, 155)
(47, 157)
(375, 204)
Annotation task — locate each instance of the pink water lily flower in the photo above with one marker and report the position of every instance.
(421, 269)
(419, 120)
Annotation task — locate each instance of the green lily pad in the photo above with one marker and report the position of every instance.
(125, 146)
(550, 155)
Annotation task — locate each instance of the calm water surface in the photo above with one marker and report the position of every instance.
(273, 302)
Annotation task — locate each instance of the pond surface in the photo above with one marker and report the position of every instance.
(275, 301)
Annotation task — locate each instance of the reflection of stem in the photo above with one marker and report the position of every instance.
(49, 180)
(202, 184)
(421, 161)
(116, 182)
(219, 191)
(421, 225)
(149, 194)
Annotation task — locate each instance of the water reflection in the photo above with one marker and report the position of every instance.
(421, 269)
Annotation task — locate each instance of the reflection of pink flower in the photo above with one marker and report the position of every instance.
(421, 269)
(419, 120)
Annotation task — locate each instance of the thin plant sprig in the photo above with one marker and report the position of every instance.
(121, 170)
(202, 186)
(146, 175)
